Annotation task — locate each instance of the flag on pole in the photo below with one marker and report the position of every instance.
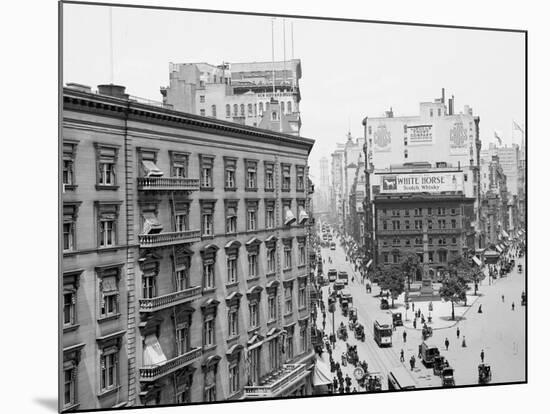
(517, 127)
(498, 137)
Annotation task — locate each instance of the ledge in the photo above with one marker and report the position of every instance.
(209, 290)
(109, 318)
(206, 188)
(70, 328)
(253, 279)
(231, 285)
(72, 407)
(109, 392)
(101, 187)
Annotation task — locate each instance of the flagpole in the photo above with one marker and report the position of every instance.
(111, 66)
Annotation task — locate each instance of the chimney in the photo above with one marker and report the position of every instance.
(116, 91)
(451, 104)
(442, 95)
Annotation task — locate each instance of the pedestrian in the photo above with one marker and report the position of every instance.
(502, 298)
(404, 336)
(341, 390)
(353, 279)
(347, 389)
(479, 309)
(324, 323)
(348, 380)
(412, 362)
(354, 390)
(513, 306)
(414, 323)
(457, 332)
(413, 306)
(446, 344)
(482, 355)
(463, 341)
(402, 359)
(335, 383)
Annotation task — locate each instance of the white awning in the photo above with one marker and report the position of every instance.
(369, 263)
(476, 260)
(321, 374)
(151, 170)
(505, 234)
(499, 248)
(152, 352)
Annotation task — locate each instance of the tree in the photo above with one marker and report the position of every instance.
(410, 265)
(461, 267)
(392, 280)
(454, 290)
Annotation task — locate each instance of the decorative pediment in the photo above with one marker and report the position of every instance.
(211, 362)
(270, 241)
(272, 286)
(254, 292)
(210, 306)
(150, 325)
(234, 353)
(233, 299)
(253, 244)
(256, 338)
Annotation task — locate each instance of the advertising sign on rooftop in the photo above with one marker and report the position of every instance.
(419, 183)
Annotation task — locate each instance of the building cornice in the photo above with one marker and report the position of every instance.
(122, 108)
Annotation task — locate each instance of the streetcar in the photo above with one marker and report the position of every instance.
(400, 379)
(382, 334)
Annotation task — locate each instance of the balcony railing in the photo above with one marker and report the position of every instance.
(171, 299)
(168, 238)
(154, 372)
(399, 232)
(168, 183)
(275, 384)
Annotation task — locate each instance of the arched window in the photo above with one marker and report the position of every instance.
(242, 109)
(249, 109)
(214, 111)
(228, 110)
(261, 108)
(289, 107)
(235, 110)
(273, 116)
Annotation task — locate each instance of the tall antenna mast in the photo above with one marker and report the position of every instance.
(273, 55)
(284, 51)
(292, 38)
(111, 66)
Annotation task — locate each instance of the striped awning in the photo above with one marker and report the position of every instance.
(476, 261)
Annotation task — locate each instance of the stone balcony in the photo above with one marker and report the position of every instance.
(444, 231)
(276, 383)
(168, 238)
(171, 299)
(152, 373)
(398, 232)
(167, 184)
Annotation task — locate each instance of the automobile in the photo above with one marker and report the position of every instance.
(447, 377)
(332, 246)
(428, 352)
(384, 304)
(397, 319)
(484, 373)
(345, 294)
(332, 275)
(338, 286)
(343, 276)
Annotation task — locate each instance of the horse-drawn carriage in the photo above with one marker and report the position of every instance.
(360, 332)
(353, 314)
(344, 304)
(426, 332)
(447, 377)
(484, 373)
(351, 355)
(397, 319)
(439, 363)
(342, 332)
(384, 304)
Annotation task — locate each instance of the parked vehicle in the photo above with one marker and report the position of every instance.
(338, 286)
(428, 353)
(332, 246)
(397, 319)
(353, 314)
(360, 332)
(447, 377)
(440, 362)
(332, 275)
(484, 373)
(345, 294)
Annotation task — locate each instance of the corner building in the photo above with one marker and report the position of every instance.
(185, 261)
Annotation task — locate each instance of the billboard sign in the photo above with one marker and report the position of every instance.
(420, 183)
(420, 134)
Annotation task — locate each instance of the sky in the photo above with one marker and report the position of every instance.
(349, 70)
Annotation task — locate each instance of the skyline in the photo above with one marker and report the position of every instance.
(384, 65)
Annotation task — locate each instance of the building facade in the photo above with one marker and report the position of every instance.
(185, 257)
(497, 212)
(423, 212)
(238, 92)
(437, 137)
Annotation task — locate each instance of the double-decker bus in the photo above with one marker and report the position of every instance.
(400, 379)
(382, 334)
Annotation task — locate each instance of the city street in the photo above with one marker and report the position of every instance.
(498, 330)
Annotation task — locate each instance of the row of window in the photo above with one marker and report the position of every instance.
(440, 211)
(250, 110)
(107, 157)
(418, 241)
(107, 215)
(418, 224)
(396, 257)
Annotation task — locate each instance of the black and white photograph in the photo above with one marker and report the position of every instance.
(271, 206)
